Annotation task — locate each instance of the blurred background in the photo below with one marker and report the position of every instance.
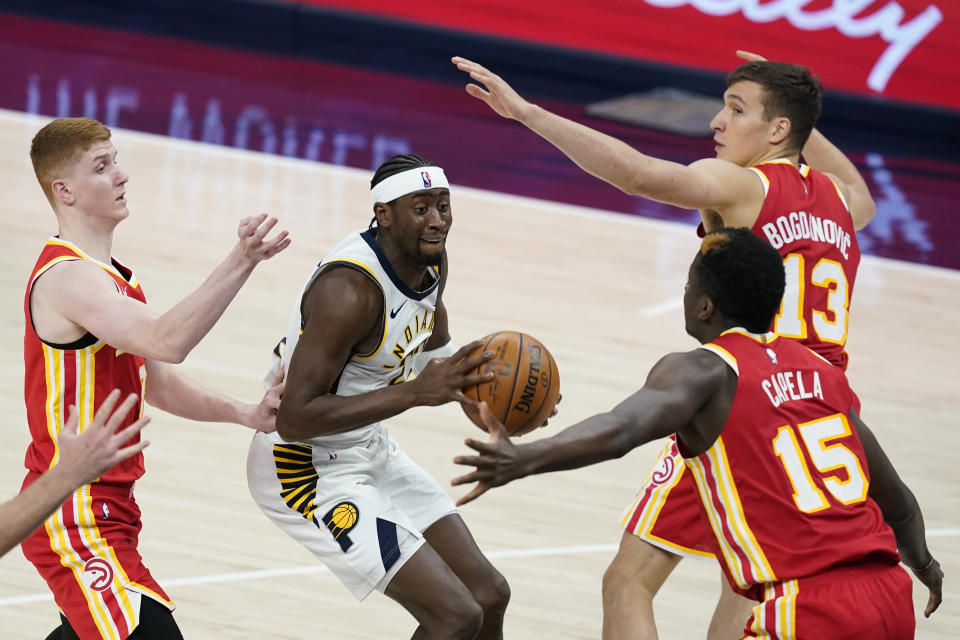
(320, 93)
(351, 82)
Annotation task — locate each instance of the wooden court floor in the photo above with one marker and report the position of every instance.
(601, 290)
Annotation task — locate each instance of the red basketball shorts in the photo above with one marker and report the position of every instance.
(870, 602)
(667, 511)
(87, 553)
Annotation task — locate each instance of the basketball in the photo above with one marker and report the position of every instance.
(525, 386)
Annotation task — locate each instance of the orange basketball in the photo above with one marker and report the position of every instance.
(526, 382)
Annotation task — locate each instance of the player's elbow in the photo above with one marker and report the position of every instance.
(292, 421)
(864, 214)
(165, 348)
(174, 355)
(287, 424)
(634, 184)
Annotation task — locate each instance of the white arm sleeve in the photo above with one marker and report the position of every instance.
(421, 359)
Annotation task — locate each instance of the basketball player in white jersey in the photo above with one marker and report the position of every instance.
(368, 340)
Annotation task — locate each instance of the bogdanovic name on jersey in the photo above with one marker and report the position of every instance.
(800, 225)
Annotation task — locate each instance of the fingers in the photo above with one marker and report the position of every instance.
(464, 351)
(278, 244)
(477, 92)
(103, 413)
(129, 432)
(476, 445)
(465, 65)
(261, 231)
(476, 378)
(70, 426)
(467, 478)
(117, 417)
(494, 426)
(277, 376)
(749, 56)
(478, 491)
(933, 603)
(469, 461)
(248, 226)
(276, 391)
(253, 232)
(132, 450)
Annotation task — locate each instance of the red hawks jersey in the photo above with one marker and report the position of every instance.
(784, 487)
(82, 373)
(806, 219)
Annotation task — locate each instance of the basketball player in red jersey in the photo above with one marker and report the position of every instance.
(756, 181)
(83, 458)
(89, 331)
(764, 426)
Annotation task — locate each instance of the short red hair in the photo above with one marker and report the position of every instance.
(56, 147)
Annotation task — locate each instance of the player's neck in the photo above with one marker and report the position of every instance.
(409, 270)
(94, 240)
(710, 332)
(777, 153)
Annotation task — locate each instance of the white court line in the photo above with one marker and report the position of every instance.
(263, 574)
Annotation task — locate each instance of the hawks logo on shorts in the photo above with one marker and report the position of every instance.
(101, 573)
(663, 473)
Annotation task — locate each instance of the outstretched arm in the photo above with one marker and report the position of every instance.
(707, 184)
(83, 294)
(83, 458)
(822, 155)
(901, 511)
(677, 389)
(170, 390)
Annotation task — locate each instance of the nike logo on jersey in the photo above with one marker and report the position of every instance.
(394, 312)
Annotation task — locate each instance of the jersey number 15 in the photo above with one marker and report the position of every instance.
(826, 458)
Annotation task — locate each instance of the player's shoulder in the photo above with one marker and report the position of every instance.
(342, 286)
(719, 167)
(695, 366)
(75, 276)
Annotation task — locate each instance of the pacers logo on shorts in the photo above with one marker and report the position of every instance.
(340, 520)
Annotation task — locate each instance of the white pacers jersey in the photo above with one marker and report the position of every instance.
(406, 326)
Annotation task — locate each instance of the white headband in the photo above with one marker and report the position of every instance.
(408, 181)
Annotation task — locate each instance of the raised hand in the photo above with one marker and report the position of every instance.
(498, 95)
(88, 455)
(497, 464)
(264, 415)
(253, 231)
(443, 379)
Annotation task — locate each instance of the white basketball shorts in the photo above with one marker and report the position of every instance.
(361, 509)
